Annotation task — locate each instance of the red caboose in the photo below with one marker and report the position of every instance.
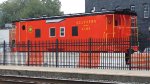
(98, 25)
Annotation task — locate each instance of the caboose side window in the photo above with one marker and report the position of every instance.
(62, 31)
(74, 31)
(37, 33)
(116, 23)
(52, 32)
(23, 27)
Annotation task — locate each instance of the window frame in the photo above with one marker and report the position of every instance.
(50, 31)
(146, 11)
(132, 7)
(63, 32)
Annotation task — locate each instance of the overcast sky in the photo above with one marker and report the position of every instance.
(70, 6)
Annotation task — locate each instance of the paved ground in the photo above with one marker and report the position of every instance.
(124, 76)
(82, 71)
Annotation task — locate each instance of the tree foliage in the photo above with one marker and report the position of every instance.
(17, 9)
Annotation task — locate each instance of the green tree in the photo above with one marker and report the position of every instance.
(16, 9)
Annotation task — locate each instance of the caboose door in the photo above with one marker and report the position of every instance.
(23, 32)
(109, 26)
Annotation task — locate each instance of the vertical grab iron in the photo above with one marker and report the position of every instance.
(130, 52)
(56, 52)
(90, 52)
(4, 53)
(28, 45)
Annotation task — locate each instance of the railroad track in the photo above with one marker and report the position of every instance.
(14, 82)
(27, 80)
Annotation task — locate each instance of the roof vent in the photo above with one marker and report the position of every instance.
(93, 10)
(44, 16)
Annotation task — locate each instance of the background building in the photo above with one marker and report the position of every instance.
(4, 35)
(8, 25)
(142, 7)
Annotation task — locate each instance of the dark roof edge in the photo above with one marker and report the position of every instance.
(123, 11)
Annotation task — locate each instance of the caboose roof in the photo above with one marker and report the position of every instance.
(125, 12)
